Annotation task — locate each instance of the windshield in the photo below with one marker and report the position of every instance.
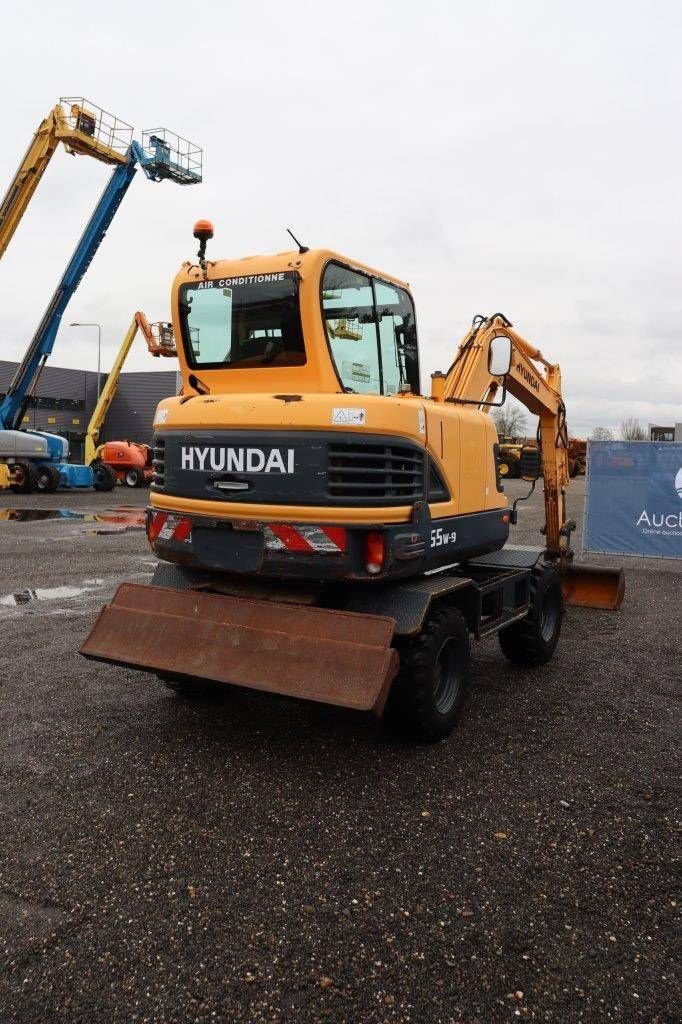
(242, 322)
(371, 332)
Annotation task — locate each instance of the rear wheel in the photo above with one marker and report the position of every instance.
(133, 477)
(25, 477)
(48, 479)
(533, 640)
(427, 696)
(104, 478)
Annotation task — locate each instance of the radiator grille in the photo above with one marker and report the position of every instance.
(375, 474)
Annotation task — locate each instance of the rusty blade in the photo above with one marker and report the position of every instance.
(335, 657)
(593, 586)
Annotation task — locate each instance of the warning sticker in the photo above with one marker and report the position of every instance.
(351, 417)
(421, 420)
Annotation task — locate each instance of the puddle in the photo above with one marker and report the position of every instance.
(30, 515)
(126, 516)
(50, 593)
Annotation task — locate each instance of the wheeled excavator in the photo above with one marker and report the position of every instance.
(129, 461)
(323, 529)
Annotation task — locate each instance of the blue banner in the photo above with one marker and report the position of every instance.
(634, 498)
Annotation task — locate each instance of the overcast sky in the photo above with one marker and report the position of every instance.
(522, 157)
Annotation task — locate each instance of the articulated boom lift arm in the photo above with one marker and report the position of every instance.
(157, 166)
(538, 388)
(158, 343)
(12, 407)
(84, 130)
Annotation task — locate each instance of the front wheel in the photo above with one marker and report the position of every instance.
(427, 696)
(533, 640)
(103, 477)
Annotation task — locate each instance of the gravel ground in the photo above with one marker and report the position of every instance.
(254, 859)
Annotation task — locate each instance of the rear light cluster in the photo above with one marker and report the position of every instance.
(166, 526)
(280, 537)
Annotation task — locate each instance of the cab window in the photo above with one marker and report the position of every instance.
(371, 331)
(348, 305)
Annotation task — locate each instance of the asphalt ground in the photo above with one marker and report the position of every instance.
(254, 859)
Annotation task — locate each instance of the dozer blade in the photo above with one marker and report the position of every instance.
(593, 586)
(334, 657)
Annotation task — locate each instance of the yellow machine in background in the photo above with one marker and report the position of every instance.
(84, 129)
(325, 530)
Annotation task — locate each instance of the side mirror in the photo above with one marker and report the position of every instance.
(530, 465)
(499, 356)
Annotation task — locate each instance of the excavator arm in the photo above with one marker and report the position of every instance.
(535, 382)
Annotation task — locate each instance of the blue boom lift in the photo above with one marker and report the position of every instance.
(38, 460)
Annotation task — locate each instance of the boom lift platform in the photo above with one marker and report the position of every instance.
(324, 530)
(129, 461)
(39, 459)
(84, 129)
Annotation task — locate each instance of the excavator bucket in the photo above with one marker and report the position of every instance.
(334, 657)
(593, 586)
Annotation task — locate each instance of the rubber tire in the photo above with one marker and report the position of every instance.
(48, 479)
(104, 478)
(136, 475)
(523, 643)
(412, 708)
(29, 482)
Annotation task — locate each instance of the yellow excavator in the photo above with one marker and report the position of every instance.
(324, 530)
(127, 461)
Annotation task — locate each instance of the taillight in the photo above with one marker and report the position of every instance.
(375, 551)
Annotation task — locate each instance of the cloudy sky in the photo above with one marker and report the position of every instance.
(522, 157)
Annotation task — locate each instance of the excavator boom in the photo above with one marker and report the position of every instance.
(536, 384)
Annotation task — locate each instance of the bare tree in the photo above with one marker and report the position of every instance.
(601, 434)
(510, 421)
(632, 430)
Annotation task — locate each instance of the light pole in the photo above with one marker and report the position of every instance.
(99, 347)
